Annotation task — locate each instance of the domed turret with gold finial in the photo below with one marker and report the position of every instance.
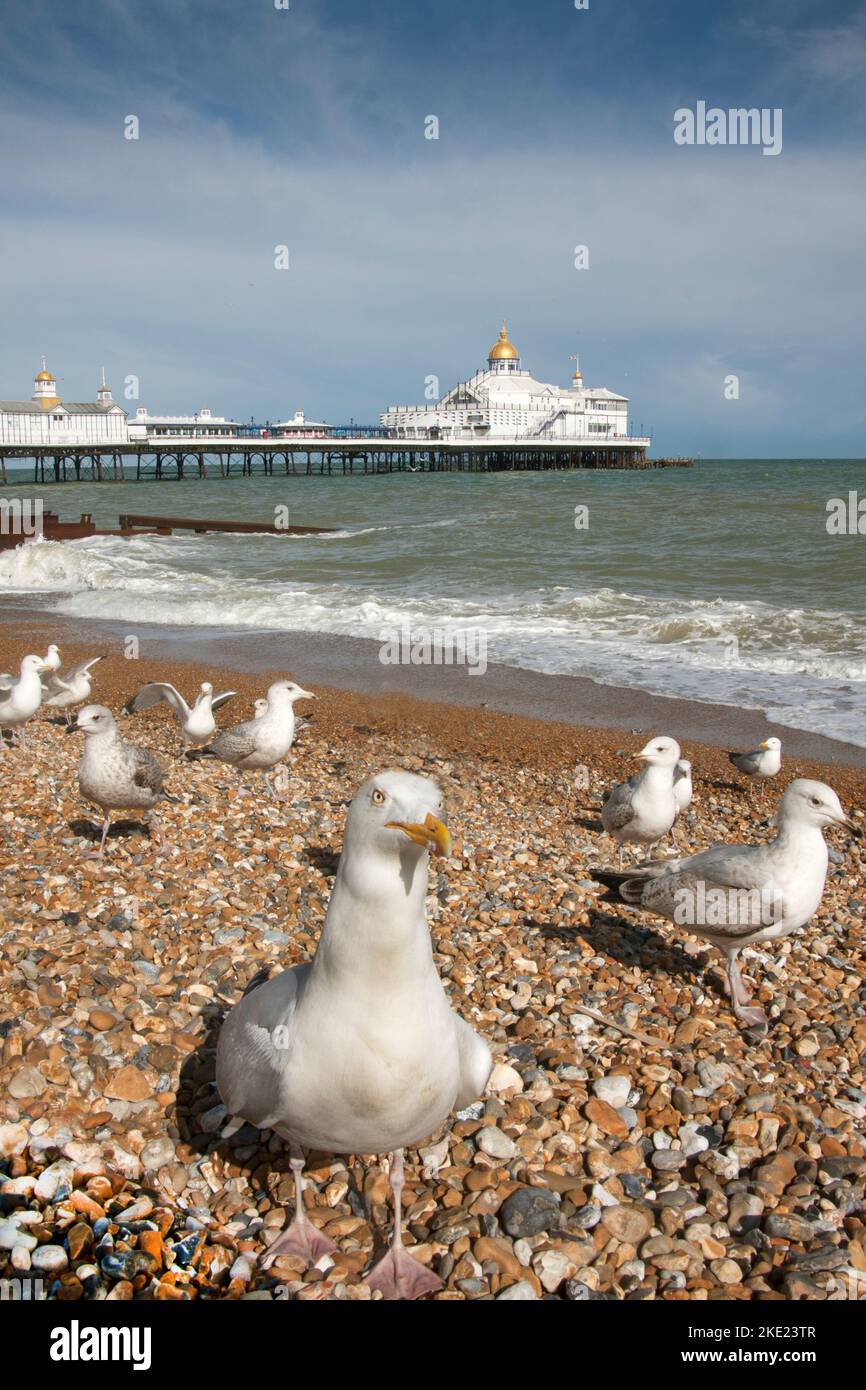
(503, 355)
(45, 389)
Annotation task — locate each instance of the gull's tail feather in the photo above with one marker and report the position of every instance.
(623, 886)
(611, 878)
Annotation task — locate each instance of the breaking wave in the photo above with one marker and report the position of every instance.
(805, 667)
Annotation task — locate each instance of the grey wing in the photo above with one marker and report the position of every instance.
(726, 891)
(738, 866)
(80, 669)
(223, 698)
(236, 743)
(147, 770)
(618, 810)
(6, 683)
(54, 685)
(154, 694)
(254, 1044)
(746, 762)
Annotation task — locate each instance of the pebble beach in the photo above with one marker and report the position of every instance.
(633, 1143)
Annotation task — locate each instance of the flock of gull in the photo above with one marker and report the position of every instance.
(359, 1051)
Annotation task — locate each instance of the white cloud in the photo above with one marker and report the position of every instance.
(156, 257)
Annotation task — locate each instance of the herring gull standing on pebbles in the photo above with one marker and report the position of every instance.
(115, 775)
(735, 895)
(359, 1051)
(260, 743)
(644, 808)
(765, 761)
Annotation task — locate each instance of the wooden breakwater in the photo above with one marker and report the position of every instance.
(131, 523)
(49, 527)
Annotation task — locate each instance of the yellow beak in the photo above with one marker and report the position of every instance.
(433, 835)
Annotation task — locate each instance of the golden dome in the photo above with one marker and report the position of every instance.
(43, 376)
(503, 350)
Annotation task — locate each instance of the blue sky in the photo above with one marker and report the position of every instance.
(261, 127)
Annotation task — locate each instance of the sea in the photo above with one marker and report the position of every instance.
(728, 581)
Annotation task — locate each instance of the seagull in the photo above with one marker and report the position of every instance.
(71, 688)
(359, 1051)
(735, 895)
(114, 775)
(765, 761)
(52, 657)
(263, 741)
(21, 697)
(683, 790)
(197, 724)
(644, 808)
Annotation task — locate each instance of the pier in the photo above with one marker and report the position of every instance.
(331, 456)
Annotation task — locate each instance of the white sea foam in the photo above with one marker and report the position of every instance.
(805, 667)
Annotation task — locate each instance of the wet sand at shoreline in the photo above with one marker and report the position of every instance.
(353, 665)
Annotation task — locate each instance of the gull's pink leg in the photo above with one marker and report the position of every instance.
(301, 1237)
(100, 853)
(397, 1275)
(753, 1017)
(156, 834)
(276, 795)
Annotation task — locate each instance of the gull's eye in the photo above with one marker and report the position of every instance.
(378, 798)
(815, 800)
